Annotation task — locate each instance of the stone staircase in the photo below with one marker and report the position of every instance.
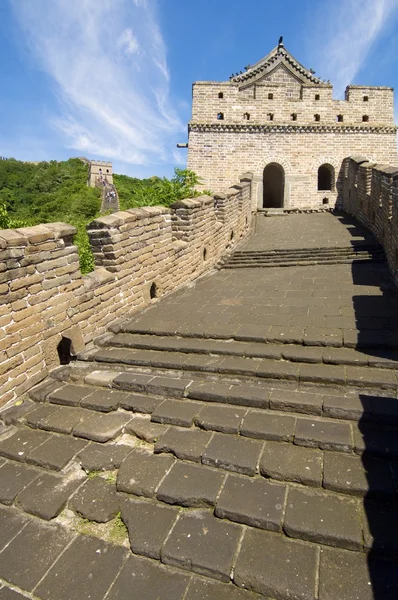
(304, 256)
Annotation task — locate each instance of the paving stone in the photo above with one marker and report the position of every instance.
(145, 580)
(287, 462)
(380, 527)
(7, 593)
(300, 402)
(133, 382)
(47, 495)
(268, 426)
(101, 378)
(257, 503)
(203, 544)
(94, 565)
(350, 407)
(308, 354)
(176, 412)
(69, 395)
(40, 392)
(190, 485)
(323, 434)
(379, 378)
(220, 418)
(103, 400)
(16, 412)
(35, 416)
(102, 428)
(144, 429)
(203, 589)
(13, 479)
(99, 457)
(344, 356)
(30, 554)
(243, 395)
(140, 404)
(148, 525)
(311, 515)
(291, 566)
(377, 441)
(142, 472)
(318, 336)
(56, 452)
(11, 523)
(21, 443)
(96, 500)
(168, 386)
(357, 476)
(232, 453)
(64, 419)
(274, 369)
(354, 576)
(185, 444)
(334, 374)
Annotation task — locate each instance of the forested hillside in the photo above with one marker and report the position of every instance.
(57, 191)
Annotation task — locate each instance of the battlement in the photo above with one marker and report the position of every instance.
(140, 255)
(99, 169)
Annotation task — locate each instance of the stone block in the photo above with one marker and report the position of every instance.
(100, 457)
(327, 435)
(56, 452)
(183, 443)
(13, 479)
(287, 462)
(268, 426)
(96, 500)
(102, 427)
(176, 412)
(232, 453)
(142, 472)
(220, 418)
(190, 485)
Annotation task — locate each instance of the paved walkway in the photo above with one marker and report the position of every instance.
(238, 440)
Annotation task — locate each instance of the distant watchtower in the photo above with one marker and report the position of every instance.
(99, 170)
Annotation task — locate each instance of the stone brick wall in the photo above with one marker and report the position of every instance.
(370, 193)
(138, 253)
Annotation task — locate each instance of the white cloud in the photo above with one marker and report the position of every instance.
(345, 31)
(108, 60)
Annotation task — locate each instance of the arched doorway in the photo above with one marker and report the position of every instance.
(273, 186)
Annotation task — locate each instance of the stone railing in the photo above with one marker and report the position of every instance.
(370, 193)
(46, 304)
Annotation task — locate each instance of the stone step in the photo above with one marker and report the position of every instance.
(285, 352)
(305, 254)
(298, 263)
(311, 251)
(265, 369)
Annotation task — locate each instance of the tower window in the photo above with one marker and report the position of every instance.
(221, 95)
(246, 116)
(271, 116)
(270, 96)
(294, 116)
(317, 117)
(326, 177)
(340, 118)
(366, 98)
(220, 117)
(317, 97)
(365, 118)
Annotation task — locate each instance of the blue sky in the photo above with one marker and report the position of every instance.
(111, 79)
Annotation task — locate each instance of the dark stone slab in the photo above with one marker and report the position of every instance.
(268, 426)
(144, 429)
(377, 441)
(291, 566)
(31, 553)
(357, 476)
(287, 462)
(183, 443)
(168, 386)
(190, 485)
(148, 525)
(64, 419)
(99, 457)
(274, 369)
(69, 395)
(94, 565)
(103, 400)
(257, 503)
(35, 416)
(308, 354)
(380, 527)
(13, 479)
(203, 589)
(232, 453)
(353, 576)
(145, 580)
(327, 435)
(300, 402)
(242, 395)
(16, 412)
(312, 515)
(96, 500)
(11, 523)
(47, 495)
(56, 452)
(19, 445)
(203, 544)
(102, 427)
(132, 382)
(141, 404)
(220, 418)
(40, 392)
(350, 407)
(379, 378)
(142, 472)
(176, 412)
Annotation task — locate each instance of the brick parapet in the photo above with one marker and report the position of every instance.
(370, 193)
(44, 297)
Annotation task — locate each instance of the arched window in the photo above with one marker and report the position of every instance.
(317, 117)
(246, 116)
(270, 96)
(220, 95)
(220, 117)
(365, 118)
(326, 178)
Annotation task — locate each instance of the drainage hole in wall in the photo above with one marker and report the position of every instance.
(325, 201)
(64, 351)
(204, 254)
(153, 292)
